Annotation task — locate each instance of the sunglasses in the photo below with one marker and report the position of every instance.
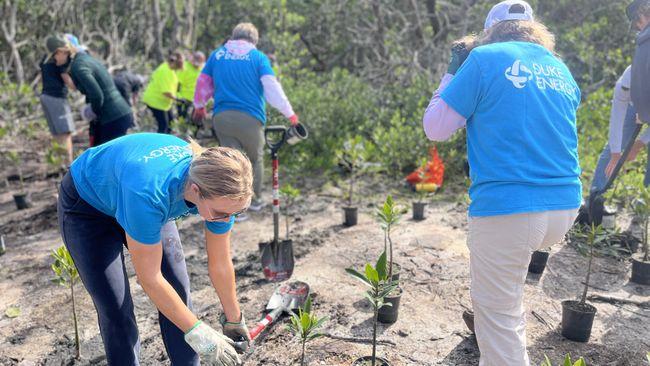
(221, 216)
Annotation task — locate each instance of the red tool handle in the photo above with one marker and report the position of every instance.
(262, 324)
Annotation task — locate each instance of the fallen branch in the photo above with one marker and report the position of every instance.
(619, 301)
(357, 340)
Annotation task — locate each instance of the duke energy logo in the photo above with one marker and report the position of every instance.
(518, 74)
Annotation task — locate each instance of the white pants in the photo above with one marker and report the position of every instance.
(500, 250)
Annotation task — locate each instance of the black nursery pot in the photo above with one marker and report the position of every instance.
(418, 210)
(389, 314)
(577, 320)
(367, 361)
(640, 272)
(22, 201)
(538, 262)
(351, 215)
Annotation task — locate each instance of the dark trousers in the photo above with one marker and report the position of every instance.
(101, 133)
(164, 118)
(95, 242)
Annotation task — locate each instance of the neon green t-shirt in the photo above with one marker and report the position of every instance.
(187, 78)
(163, 80)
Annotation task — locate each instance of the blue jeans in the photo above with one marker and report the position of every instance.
(95, 242)
(600, 179)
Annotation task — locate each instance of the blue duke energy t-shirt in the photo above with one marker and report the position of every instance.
(520, 103)
(237, 81)
(139, 179)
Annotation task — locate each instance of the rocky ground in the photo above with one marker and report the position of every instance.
(435, 278)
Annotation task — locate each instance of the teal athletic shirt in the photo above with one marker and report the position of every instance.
(520, 103)
(139, 180)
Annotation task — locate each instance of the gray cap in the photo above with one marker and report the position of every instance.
(54, 42)
(632, 9)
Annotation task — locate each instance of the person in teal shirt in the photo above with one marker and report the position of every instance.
(160, 94)
(518, 102)
(128, 192)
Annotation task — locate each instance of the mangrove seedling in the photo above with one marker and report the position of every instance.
(567, 362)
(304, 325)
(389, 215)
(595, 235)
(55, 157)
(352, 157)
(379, 285)
(67, 275)
(289, 194)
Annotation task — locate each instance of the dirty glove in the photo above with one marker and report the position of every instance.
(199, 114)
(237, 331)
(459, 54)
(213, 347)
(293, 119)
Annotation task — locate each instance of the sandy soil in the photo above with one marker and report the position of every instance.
(435, 278)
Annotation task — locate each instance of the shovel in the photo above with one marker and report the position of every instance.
(277, 255)
(289, 297)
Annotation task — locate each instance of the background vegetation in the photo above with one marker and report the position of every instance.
(350, 67)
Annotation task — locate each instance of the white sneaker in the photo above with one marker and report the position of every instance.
(256, 206)
(242, 217)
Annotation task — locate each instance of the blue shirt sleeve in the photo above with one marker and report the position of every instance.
(264, 67)
(465, 90)
(139, 217)
(219, 227)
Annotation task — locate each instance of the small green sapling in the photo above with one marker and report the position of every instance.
(305, 325)
(67, 275)
(289, 194)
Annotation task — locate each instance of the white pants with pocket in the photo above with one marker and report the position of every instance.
(500, 250)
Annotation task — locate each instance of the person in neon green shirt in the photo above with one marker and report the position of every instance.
(187, 78)
(161, 91)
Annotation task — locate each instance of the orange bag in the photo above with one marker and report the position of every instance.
(433, 171)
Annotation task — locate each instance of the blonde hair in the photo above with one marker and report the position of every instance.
(518, 30)
(246, 31)
(221, 172)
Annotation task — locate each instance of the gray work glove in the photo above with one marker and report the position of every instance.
(237, 331)
(214, 348)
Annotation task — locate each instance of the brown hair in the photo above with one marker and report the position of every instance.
(518, 30)
(245, 31)
(221, 172)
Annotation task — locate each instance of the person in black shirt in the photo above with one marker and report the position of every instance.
(54, 93)
(129, 85)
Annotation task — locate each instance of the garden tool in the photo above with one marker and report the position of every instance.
(277, 255)
(594, 209)
(289, 297)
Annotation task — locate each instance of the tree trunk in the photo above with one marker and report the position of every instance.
(8, 26)
(380, 35)
(302, 357)
(157, 27)
(374, 334)
(433, 16)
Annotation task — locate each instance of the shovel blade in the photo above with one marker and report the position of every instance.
(290, 296)
(277, 260)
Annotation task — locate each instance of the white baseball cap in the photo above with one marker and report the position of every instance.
(509, 10)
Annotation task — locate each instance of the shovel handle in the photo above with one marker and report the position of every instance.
(264, 323)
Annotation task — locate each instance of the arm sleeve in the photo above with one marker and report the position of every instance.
(274, 95)
(464, 91)
(94, 93)
(139, 217)
(220, 227)
(264, 67)
(620, 103)
(204, 90)
(441, 121)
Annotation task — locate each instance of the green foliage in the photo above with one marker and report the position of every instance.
(352, 155)
(389, 215)
(567, 362)
(67, 275)
(12, 312)
(305, 325)
(55, 156)
(595, 235)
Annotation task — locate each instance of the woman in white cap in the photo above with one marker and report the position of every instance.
(518, 103)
